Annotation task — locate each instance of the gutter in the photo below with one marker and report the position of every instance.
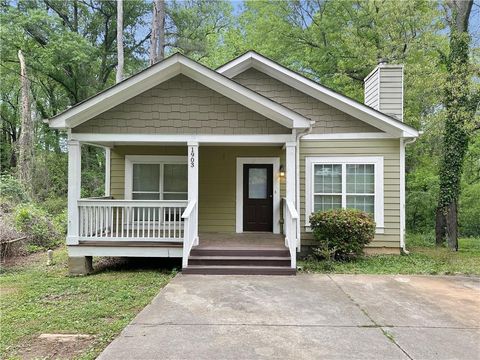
(403, 143)
(297, 180)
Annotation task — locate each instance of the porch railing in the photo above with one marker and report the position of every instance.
(291, 218)
(105, 219)
(190, 235)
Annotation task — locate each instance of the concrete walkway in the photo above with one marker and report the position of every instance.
(307, 317)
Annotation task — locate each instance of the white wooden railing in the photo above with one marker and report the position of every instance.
(189, 216)
(102, 219)
(290, 217)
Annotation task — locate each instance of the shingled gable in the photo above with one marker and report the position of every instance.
(170, 67)
(358, 110)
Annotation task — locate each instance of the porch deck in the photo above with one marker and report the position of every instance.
(248, 240)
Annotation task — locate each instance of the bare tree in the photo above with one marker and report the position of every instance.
(119, 76)
(157, 43)
(25, 141)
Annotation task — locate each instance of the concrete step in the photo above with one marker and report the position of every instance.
(238, 270)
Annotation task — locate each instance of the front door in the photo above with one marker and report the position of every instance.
(257, 197)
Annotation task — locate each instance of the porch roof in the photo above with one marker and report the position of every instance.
(165, 70)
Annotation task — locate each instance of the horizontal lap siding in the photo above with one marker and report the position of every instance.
(217, 178)
(328, 120)
(181, 106)
(217, 188)
(391, 94)
(371, 90)
(390, 150)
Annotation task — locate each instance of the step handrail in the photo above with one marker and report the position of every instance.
(291, 218)
(190, 234)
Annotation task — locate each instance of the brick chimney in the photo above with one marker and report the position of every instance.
(384, 89)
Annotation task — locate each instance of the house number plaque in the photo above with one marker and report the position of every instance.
(192, 158)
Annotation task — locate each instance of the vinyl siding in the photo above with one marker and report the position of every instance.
(328, 120)
(390, 150)
(217, 178)
(181, 106)
(391, 91)
(371, 90)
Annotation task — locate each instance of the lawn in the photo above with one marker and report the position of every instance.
(38, 299)
(424, 258)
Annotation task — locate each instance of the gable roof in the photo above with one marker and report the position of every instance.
(165, 70)
(322, 93)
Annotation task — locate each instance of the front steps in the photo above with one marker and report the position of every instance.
(239, 261)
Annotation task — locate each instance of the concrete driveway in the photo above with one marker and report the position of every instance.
(307, 317)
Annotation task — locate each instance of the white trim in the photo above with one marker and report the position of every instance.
(146, 159)
(275, 161)
(74, 189)
(310, 161)
(165, 70)
(402, 194)
(349, 136)
(182, 138)
(309, 87)
(127, 251)
(107, 170)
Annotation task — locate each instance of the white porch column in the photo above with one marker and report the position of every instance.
(193, 181)
(107, 171)
(74, 187)
(290, 171)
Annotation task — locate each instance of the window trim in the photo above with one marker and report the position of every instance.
(147, 159)
(377, 161)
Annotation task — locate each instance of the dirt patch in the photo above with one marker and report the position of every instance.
(22, 260)
(56, 346)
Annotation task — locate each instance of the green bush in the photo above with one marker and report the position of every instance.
(469, 210)
(36, 225)
(342, 233)
(54, 206)
(12, 190)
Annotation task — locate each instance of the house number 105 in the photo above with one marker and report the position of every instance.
(192, 158)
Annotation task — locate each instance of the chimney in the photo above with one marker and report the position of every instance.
(384, 89)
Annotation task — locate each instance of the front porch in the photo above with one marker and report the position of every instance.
(209, 215)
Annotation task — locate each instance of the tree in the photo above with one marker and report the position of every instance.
(157, 40)
(460, 109)
(25, 142)
(119, 76)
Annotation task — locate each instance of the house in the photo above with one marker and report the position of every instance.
(222, 168)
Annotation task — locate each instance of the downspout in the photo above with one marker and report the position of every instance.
(297, 177)
(403, 144)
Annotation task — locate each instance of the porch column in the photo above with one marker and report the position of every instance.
(74, 187)
(290, 170)
(193, 181)
(107, 171)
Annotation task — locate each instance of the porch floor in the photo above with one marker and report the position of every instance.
(263, 240)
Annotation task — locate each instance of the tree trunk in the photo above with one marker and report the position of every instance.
(157, 38)
(458, 113)
(161, 30)
(119, 76)
(25, 141)
(440, 227)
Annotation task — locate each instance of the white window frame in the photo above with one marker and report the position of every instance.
(377, 161)
(148, 159)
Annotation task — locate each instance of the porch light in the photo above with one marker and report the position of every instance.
(281, 171)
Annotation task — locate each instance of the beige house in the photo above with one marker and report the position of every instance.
(222, 168)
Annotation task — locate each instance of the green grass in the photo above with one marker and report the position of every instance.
(424, 258)
(37, 299)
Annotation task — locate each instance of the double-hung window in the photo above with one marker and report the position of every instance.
(156, 177)
(345, 182)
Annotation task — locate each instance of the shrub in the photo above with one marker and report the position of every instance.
(469, 210)
(12, 190)
(55, 206)
(342, 233)
(35, 223)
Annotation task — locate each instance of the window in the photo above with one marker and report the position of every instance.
(351, 182)
(156, 177)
